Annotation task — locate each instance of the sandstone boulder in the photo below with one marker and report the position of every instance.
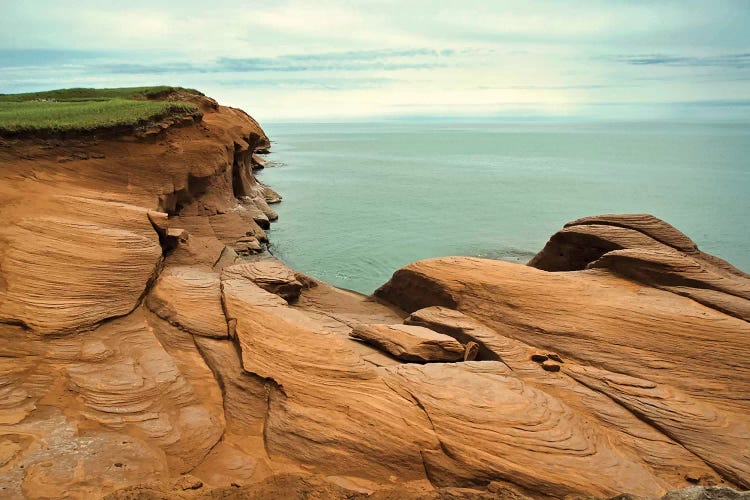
(459, 326)
(411, 343)
(271, 275)
(550, 366)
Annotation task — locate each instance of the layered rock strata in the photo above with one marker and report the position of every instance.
(146, 351)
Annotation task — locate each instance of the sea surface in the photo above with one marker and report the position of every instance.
(363, 199)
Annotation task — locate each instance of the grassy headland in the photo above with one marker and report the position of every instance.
(84, 110)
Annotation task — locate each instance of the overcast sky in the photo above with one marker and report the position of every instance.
(315, 60)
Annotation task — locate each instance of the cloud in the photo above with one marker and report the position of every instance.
(113, 62)
(337, 61)
(738, 61)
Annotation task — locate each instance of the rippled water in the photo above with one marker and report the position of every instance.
(361, 200)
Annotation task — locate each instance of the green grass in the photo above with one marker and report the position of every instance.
(81, 110)
(86, 115)
(79, 94)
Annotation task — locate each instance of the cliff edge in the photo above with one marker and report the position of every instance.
(150, 349)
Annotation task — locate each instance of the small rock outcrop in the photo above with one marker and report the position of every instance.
(648, 250)
(550, 366)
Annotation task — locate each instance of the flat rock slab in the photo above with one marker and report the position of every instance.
(270, 275)
(411, 343)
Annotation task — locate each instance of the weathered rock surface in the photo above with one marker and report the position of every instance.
(295, 486)
(411, 343)
(325, 400)
(706, 493)
(148, 351)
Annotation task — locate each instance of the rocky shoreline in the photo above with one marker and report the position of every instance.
(150, 348)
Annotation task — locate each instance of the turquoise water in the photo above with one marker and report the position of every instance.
(362, 200)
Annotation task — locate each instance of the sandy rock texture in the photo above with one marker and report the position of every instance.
(150, 349)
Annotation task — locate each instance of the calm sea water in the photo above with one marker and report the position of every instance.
(362, 200)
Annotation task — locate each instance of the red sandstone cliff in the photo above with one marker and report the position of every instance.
(143, 354)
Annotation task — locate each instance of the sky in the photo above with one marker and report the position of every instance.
(408, 59)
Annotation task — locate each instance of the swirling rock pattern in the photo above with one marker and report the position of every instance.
(492, 426)
(98, 392)
(75, 263)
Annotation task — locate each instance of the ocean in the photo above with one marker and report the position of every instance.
(363, 199)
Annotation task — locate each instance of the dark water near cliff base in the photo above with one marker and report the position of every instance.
(361, 200)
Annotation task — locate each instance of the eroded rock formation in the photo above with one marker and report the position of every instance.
(147, 349)
(641, 351)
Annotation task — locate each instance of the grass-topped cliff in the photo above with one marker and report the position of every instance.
(85, 109)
